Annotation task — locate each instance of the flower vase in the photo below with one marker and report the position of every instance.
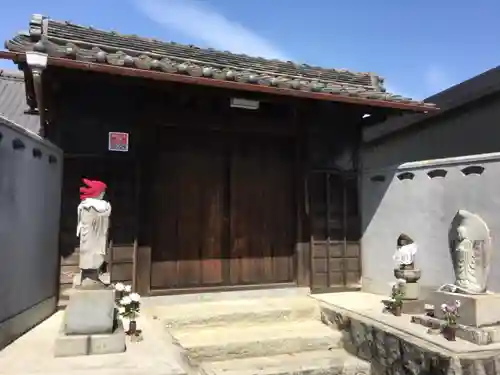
(396, 310)
(449, 333)
(132, 327)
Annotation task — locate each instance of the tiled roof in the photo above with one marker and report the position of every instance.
(67, 40)
(13, 101)
(466, 92)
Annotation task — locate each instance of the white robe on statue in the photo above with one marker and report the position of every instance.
(92, 229)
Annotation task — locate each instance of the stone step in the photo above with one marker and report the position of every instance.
(241, 312)
(322, 362)
(231, 342)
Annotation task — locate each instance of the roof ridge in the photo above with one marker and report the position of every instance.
(210, 49)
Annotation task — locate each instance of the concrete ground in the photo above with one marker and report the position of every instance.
(33, 354)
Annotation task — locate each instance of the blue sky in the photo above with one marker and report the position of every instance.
(420, 47)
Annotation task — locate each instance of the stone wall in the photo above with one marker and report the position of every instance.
(30, 190)
(393, 352)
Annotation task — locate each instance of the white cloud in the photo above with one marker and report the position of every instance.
(201, 22)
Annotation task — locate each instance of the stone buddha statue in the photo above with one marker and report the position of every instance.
(470, 250)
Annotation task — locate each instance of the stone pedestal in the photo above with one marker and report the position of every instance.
(90, 325)
(475, 310)
(411, 289)
(415, 306)
(90, 312)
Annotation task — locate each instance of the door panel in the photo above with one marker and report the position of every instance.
(335, 231)
(261, 211)
(189, 214)
(224, 211)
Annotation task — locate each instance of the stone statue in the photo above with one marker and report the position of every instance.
(406, 249)
(92, 229)
(404, 257)
(470, 247)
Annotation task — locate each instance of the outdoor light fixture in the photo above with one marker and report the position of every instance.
(366, 115)
(36, 60)
(244, 103)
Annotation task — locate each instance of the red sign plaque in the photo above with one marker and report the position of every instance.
(118, 141)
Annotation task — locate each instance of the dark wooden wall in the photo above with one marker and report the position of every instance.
(298, 144)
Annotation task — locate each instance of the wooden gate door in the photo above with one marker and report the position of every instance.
(189, 212)
(262, 211)
(224, 212)
(335, 231)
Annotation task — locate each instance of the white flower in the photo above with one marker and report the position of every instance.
(401, 281)
(119, 287)
(128, 288)
(135, 297)
(458, 303)
(125, 301)
(121, 309)
(443, 307)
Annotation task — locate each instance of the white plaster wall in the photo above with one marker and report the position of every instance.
(423, 208)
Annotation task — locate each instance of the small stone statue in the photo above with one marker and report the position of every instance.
(404, 258)
(92, 229)
(470, 248)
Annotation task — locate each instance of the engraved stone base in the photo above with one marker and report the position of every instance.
(76, 345)
(475, 310)
(478, 336)
(415, 306)
(90, 311)
(411, 291)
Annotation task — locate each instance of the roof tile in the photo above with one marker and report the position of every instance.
(13, 101)
(67, 40)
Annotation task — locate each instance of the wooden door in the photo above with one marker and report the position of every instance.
(223, 212)
(189, 213)
(262, 211)
(335, 231)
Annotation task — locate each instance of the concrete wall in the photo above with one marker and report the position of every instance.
(423, 207)
(30, 191)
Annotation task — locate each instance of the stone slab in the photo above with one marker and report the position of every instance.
(475, 310)
(305, 363)
(33, 354)
(78, 345)
(478, 336)
(242, 312)
(413, 306)
(90, 312)
(104, 277)
(391, 342)
(265, 339)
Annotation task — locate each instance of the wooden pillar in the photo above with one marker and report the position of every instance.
(302, 244)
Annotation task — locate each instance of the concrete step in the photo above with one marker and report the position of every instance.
(322, 362)
(242, 312)
(231, 342)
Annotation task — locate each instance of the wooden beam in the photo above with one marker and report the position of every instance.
(162, 76)
(302, 244)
